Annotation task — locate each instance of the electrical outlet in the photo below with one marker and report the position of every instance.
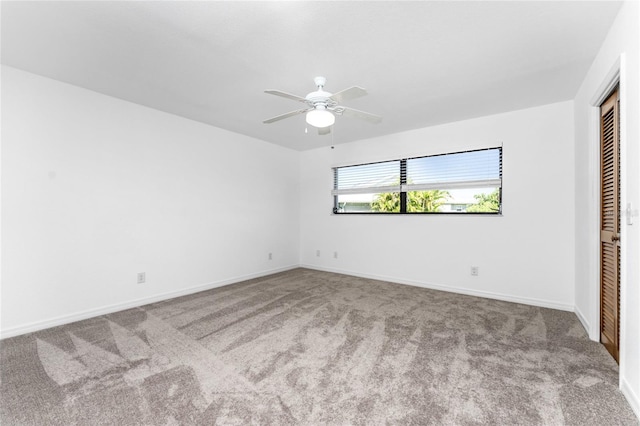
(474, 271)
(270, 256)
(335, 254)
(317, 253)
(142, 278)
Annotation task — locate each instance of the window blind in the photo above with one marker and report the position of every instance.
(367, 178)
(471, 169)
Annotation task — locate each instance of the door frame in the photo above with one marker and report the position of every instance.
(616, 76)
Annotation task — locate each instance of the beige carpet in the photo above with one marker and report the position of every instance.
(309, 347)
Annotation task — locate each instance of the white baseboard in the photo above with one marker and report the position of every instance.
(78, 316)
(631, 396)
(583, 321)
(451, 289)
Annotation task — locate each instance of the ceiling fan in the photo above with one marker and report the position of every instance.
(322, 107)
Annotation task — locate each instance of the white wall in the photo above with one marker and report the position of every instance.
(621, 50)
(95, 190)
(525, 255)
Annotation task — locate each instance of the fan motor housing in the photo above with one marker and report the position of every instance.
(320, 97)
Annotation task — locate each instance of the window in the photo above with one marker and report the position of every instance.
(457, 183)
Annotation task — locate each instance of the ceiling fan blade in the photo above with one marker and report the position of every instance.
(286, 115)
(350, 112)
(324, 130)
(348, 94)
(286, 95)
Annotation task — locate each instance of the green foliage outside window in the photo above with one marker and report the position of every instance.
(417, 201)
(486, 203)
(386, 202)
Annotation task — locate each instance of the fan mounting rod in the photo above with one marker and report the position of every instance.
(320, 98)
(320, 82)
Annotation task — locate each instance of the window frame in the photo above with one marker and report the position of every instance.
(403, 183)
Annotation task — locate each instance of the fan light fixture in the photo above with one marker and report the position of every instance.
(320, 118)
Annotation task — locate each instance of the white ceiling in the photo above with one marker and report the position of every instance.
(423, 63)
